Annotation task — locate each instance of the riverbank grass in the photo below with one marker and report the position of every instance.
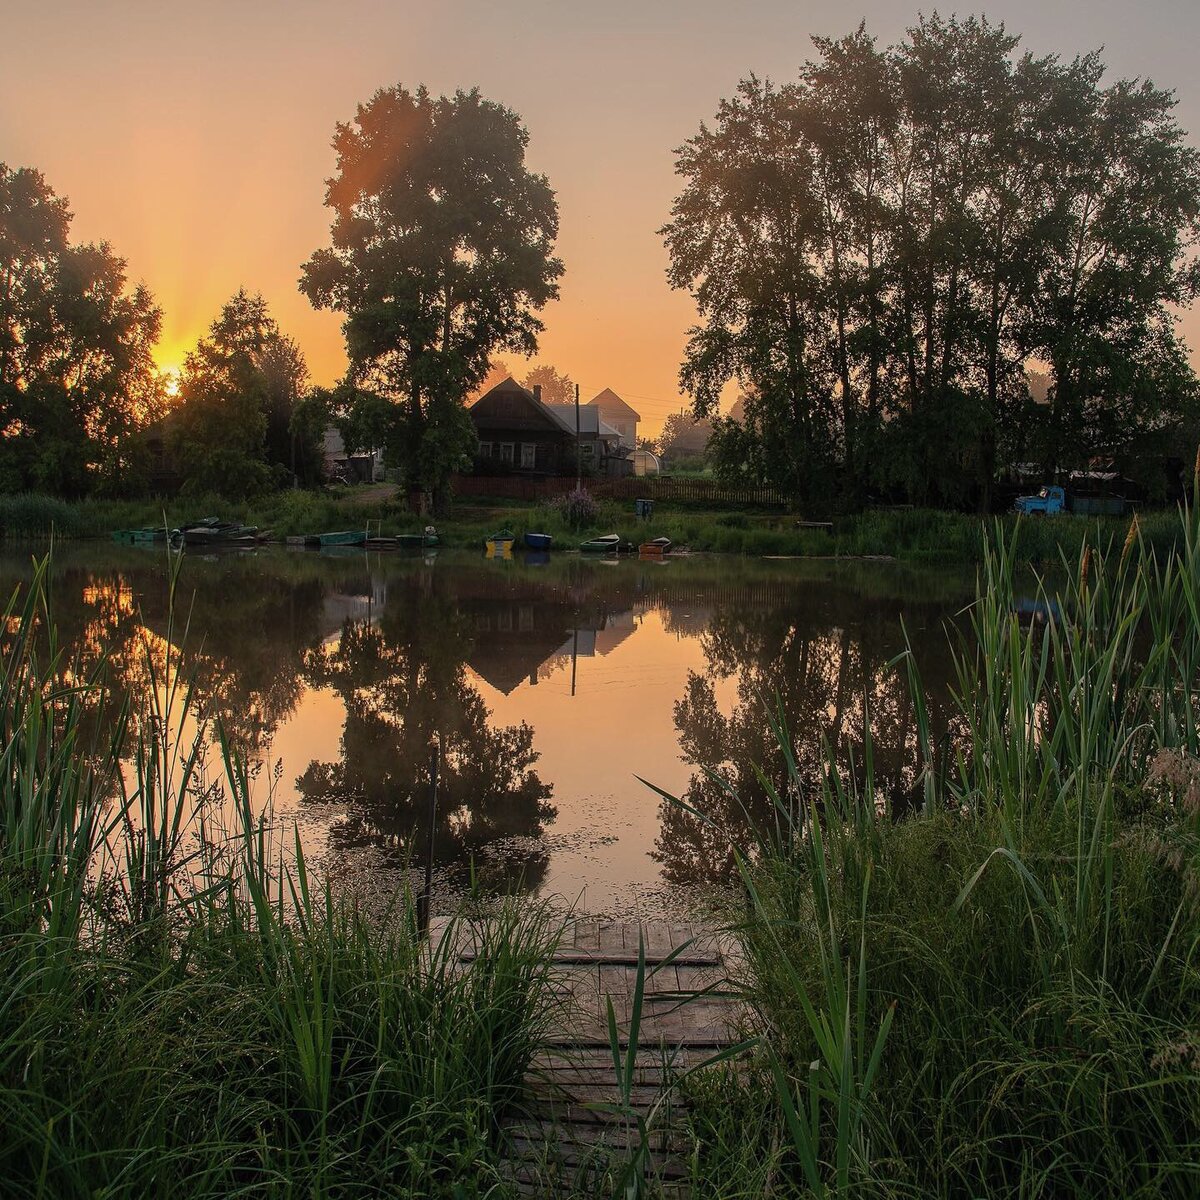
(998, 995)
(184, 1014)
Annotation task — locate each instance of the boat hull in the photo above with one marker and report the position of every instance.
(538, 541)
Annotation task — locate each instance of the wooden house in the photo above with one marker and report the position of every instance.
(621, 416)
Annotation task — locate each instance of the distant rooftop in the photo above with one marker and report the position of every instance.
(613, 406)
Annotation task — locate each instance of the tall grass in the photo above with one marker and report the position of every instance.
(999, 995)
(187, 1012)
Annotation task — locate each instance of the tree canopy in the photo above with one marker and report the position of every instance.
(76, 373)
(239, 424)
(881, 249)
(441, 257)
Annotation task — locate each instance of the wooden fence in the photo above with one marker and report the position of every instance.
(647, 487)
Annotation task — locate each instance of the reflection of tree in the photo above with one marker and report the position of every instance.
(822, 655)
(404, 686)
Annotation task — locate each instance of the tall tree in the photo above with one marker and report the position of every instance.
(235, 418)
(441, 257)
(76, 373)
(880, 250)
(556, 388)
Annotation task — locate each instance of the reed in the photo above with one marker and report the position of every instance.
(186, 1010)
(997, 995)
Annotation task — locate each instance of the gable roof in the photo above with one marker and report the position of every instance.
(612, 405)
(564, 414)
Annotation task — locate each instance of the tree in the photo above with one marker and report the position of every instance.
(556, 388)
(684, 436)
(233, 426)
(441, 257)
(497, 372)
(76, 374)
(880, 250)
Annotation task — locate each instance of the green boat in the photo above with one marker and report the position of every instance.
(418, 541)
(608, 543)
(345, 537)
(133, 537)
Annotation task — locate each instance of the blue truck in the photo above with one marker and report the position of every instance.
(1053, 499)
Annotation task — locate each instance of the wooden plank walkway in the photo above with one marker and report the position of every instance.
(577, 1126)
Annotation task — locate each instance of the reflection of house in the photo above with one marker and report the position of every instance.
(618, 414)
(516, 637)
(519, 434)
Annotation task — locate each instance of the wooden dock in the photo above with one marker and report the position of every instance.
(581, 1123)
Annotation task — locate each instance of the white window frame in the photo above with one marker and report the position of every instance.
(588, 449)
(506, 452)
(528, 452)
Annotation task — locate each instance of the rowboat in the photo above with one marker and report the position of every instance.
(344, 537)
(538, 541)
(138, 536)
(499, 537)
(606, 543)
(418, 541)
(655, 548)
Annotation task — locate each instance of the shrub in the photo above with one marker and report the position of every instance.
(576, 508)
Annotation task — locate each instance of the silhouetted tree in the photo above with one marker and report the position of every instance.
(232, 425)
(76, 374)
(556, 388)
(879, 250)
(441, 257)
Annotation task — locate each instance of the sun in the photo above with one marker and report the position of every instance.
(170, 381)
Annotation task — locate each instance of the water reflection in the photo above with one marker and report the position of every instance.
(548, 685)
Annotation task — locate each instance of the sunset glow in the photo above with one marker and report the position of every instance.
(196, 139)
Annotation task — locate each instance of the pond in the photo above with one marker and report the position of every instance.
(553, 688)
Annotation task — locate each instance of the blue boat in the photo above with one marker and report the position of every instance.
(538, 541)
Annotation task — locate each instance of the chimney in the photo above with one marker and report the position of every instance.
(537, 392)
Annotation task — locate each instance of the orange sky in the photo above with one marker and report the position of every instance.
(195, 136)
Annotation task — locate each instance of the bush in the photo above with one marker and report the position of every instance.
(577, 509)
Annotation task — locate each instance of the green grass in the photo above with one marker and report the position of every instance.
(997, 996)
(919, 536)
(184, 1014)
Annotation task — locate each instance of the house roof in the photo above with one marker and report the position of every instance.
(612, 405)
(506, 386)
(564, 414)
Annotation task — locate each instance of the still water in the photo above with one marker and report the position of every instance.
(552, 686)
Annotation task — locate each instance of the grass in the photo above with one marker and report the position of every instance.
(999, 995)
(187, 1012)
(919, 536)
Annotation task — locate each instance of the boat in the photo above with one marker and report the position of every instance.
(655, 548)
(344, 537)
(538, 541)
(499, 538)
(418, 541)
(606, 543)
(137, 537)
(211, 532)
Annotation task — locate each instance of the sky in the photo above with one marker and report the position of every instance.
(195, 137)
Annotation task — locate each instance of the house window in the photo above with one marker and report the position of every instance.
(485, 449)
(506, 452)
(528, 456)
(588, 448)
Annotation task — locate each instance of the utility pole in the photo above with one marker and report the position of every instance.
(578, 449)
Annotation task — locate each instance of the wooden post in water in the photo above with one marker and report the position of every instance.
(423, 901)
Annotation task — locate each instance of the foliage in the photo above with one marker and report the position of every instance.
(441, 258)
(76, 375)
(904, 233)
(577, 508)
(556, 388)
(183, 1014)
(995, 995)
(232, 429)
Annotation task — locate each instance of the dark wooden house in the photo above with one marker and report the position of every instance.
(519, 434)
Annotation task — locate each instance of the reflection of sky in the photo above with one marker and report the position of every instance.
(632, 644)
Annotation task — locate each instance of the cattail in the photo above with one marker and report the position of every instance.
(1083, 570)
(1130, 538)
